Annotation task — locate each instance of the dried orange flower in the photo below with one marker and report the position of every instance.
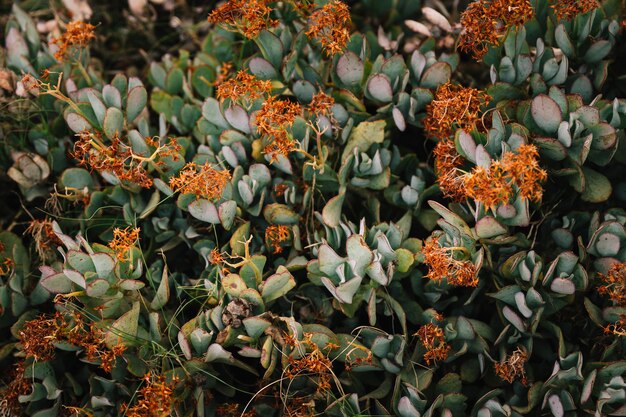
(490, 187)
(232, 410)
(155, 398)
(314, 363)
(614, 284)
(494, 186)
(273, 120)
(321, 104)
(523, 168)
(38, 335)
(569, 9)
(123, 241)
(485, 23)
(6, 265)
(276, 234)
(449, 177)
(453, 106)
(10, 405)
(77, 33)
(618, 328)
(248, 17)
(433, 339)
(512, 367)
(119, 158)
(204, 181)
(244, 88)
(329, 25)
(441, 264)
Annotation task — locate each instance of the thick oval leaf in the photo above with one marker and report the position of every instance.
(546, 113)
(113, 122)
(135, 102)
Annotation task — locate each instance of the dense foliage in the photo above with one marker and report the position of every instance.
(304, 208)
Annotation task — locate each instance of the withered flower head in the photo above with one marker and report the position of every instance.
(329, 25)
(486, 22)
(512, 367)
(453, 106)
(248, 17)
(77, 33)
(569, 9)
(432, 338)
(44, 237)
(276, 234)
(123, 241)
(204, 181)
(243, 88)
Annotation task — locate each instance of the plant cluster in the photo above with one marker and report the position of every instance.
(302, 208)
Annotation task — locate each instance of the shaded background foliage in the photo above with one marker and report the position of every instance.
(382, 225)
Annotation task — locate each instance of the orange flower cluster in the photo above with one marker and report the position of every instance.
(494, 187)
(248, 17)
(38, 336)
(432, 337)
(512, 367)
(485, 23)
(321, 104)
(276, 234)
(449, 177)
(569, 9)
(273, 120)
(120, 159)
(314, 362)
(77, 33)
(329, 25)
(441, 264)
(123, 241)
(244, 88)
(155, 398)
(614, 284)
(204, 181)
(453, 106)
